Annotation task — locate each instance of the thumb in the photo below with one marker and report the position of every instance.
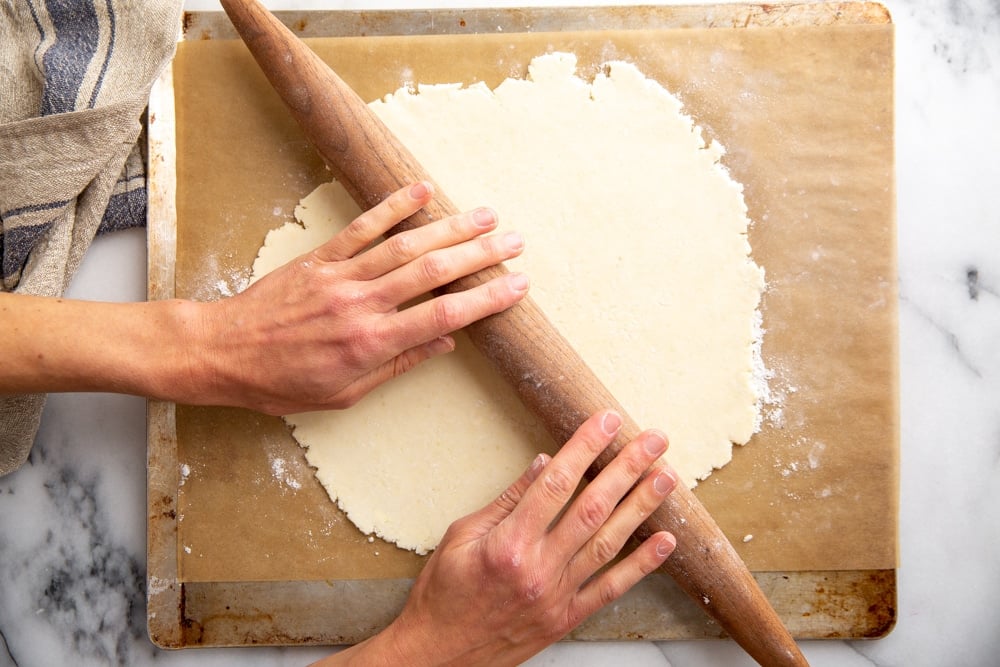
(395, 367)
(490, 516)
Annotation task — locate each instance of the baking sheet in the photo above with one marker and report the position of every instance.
(806, 115)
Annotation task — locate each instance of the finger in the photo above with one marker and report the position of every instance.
(450, 312)
(374, 222)
(491, 515)
(478, 524)
(396, 366)
(445, 265)
(607, 541)
(409, 246)
(590, 510)
(616, 580)
(553, 489)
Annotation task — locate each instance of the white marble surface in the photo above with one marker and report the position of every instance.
(72, 521)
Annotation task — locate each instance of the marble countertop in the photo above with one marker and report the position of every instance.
(72, 521)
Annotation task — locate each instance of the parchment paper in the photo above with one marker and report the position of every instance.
(806, 116)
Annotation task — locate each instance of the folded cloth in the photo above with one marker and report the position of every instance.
(75, 77)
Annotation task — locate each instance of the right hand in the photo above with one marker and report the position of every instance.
(518, 575)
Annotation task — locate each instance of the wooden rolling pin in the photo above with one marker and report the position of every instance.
(550, 377)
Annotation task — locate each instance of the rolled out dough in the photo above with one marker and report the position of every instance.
(636, 249)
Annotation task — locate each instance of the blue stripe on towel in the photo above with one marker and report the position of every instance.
(31, 208)
(16, 244)
(66, 61)
(41, 33)
(125, 210)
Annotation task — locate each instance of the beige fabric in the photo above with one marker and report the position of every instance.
(74, 80)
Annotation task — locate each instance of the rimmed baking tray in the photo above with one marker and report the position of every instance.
(244, 546)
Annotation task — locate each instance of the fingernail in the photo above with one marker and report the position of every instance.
(513, 241)
(484, 217)
(656, 443)
(666, 546)
(518, 282)
(420, 190)
(536, 466)
(664, 482)
(611, 423)
(442, 345)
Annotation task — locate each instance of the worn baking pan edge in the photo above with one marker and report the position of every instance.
(270, 613)
(164, 595)
(341, 23)
(812, 604)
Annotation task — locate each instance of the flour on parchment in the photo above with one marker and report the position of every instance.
(636, 249)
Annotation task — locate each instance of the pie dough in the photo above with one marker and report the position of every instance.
(637, 251)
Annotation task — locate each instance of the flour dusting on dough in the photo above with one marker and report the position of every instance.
(637, 250)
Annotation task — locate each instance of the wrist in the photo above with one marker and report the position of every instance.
(160, 349)
(417, 643)
(181, 369)
(382, 650)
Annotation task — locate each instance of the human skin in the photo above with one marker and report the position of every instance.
(322, 331)
(318, 333)
(518, 575)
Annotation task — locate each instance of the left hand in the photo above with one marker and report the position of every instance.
(325, 329)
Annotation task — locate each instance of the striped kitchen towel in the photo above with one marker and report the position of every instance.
(75, 77)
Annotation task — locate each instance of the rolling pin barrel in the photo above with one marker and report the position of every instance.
(551, 379)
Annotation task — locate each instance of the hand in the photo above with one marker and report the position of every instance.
(327, 328)
(516, 576)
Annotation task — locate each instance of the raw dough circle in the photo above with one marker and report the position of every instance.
(637, 251)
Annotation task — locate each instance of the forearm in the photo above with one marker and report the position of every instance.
(55, 345)
(315, 334)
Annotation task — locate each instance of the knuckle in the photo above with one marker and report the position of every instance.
(575, 614)
(608, 591)
(633, 466)
(531, 587)
(458, 225)
(347, 296)
(603, 548)
(558, 483)
(509, 499)
(405, 362)
(401, 204)
(593, 511)
(592, 444)
(494, 298)
(526, 583)
(457, 535)
(318, 273)
(490, 247)
(358, 229)
(401, 247)
(396, 203)
(448, 314)
(597, 445)
(305, 265)
(434, 268)
(648, 565)
(644, 506)
(506, 560)
(363, 344)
